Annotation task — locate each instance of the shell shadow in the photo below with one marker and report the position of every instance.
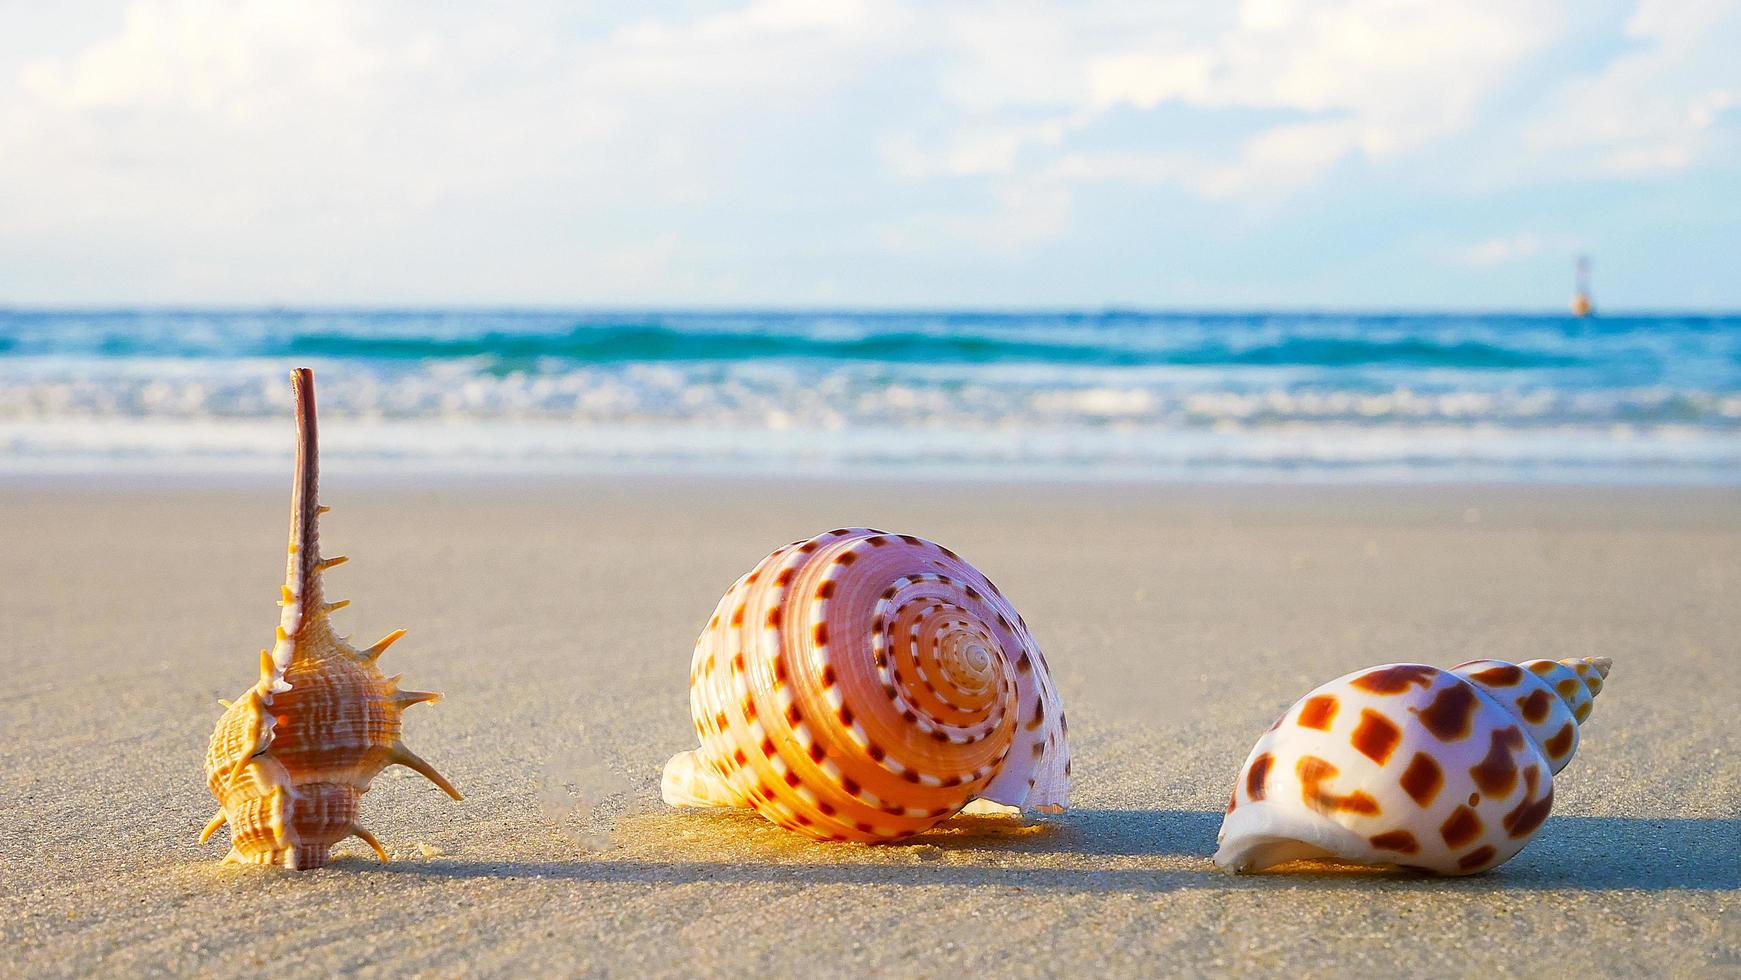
(1571, 854)
(1108, 833)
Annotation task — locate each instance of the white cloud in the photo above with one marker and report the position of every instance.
(971, 151)
(337, 149)
(1515, 247)
(1375, 80)
(326, 132)
(1019, 213)
(1657, 108)
(1371, 78)
(1495, 251)
(210, 58)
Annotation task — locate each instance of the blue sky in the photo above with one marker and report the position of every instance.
(1356, 154)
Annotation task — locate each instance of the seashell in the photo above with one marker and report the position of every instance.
(291, 758)
(865, 686)
(1449, 772)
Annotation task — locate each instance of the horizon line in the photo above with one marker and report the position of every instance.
(1112, 309)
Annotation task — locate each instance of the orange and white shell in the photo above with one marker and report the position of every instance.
(865, 686)
(291, 758)
(1443, 771)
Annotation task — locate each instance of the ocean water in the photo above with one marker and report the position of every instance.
(1112, 394)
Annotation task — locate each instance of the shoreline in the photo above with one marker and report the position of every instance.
(245, 469)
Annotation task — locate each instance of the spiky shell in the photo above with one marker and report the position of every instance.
(1449, 772)
(290, 760)
(865, 686)
(330, 727)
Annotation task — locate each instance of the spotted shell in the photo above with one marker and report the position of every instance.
(291, 758)
(865, 686)
(1449, 772)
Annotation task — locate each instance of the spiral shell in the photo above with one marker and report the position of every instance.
(1449, 772)
(865, 686)
(291, 758)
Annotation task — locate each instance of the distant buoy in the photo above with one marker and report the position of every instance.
(1582, 305)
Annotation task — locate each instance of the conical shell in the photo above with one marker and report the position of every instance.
(1449, 772)
(291, 758)
(864, 686)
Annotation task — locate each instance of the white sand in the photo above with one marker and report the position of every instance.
(558, 618)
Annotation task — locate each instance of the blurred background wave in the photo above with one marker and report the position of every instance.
(1109, 394)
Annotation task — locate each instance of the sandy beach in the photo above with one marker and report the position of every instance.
(558, 618)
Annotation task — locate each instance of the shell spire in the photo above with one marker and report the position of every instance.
(1575, 682)
(291, 758)
(302, 586)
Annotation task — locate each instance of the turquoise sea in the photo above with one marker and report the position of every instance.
(1085, 394)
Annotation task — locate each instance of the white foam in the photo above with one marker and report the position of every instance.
(70, 412)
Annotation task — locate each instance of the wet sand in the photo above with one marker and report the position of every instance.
(558, 618)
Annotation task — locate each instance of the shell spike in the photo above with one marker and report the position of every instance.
(402, 756)
(236, 771)
(408, 698)
(381, 645)
(212, 826)
(369, 839)
(326, 563)
(271, 678)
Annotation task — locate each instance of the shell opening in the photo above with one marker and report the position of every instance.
(1258, 836)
